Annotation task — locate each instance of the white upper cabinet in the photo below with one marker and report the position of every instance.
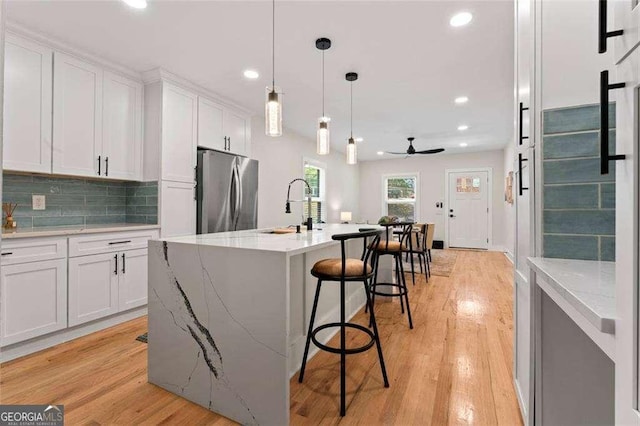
(210, 125)
(222, 128)
(626, 16)
(122, 127)
(27, 106)
(235, 129)
(77, 117)
(179, 134)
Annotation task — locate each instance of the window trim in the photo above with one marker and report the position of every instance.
(323, 184)
(416, 201)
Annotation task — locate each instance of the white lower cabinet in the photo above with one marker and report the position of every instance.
(105, 284)
(93, 287)
(34, 299)
(177, 209)
(132, 283)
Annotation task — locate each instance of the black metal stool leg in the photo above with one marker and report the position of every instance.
(306, 346)
(373, 286)
(343, 354)
(398, 260)
(406, 295)
(377, 339)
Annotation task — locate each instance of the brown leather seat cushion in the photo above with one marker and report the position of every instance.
(384, 245)
(333, 268)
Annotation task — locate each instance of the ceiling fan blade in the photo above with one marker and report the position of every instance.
(430, 151)
(397, 153)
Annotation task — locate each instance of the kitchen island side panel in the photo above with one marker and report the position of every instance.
(218, 323)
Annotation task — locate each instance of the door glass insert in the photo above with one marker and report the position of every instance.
(468, 184)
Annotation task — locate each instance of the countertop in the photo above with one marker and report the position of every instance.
(261, 239)
(74, 230)
(589, 286)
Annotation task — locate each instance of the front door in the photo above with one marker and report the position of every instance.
(468, 215)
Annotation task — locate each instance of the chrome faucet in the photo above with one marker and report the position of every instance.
(309, 221)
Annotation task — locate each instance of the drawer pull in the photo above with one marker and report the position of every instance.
(119, 242)
(7, 253)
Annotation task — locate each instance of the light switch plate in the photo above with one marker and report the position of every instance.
(38, 202)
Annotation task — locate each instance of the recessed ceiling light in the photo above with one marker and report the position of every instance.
(251, 74)
(380, 152)
(359, 139)
(136, 4)
(463, 127)
(463, 144)
(461, 100)
(460, 19)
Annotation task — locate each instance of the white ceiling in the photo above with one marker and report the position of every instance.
(412, 64)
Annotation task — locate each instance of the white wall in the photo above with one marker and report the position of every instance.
(281, 160)
(509, 214)
(432, 186)
(571, 64)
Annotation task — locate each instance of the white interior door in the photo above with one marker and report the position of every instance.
(468, 215)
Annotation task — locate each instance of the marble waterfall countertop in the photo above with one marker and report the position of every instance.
(265, 240)
(589, 286)
(74, 230)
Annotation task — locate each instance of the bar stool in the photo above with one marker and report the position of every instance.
(346, 270)
(395, 249)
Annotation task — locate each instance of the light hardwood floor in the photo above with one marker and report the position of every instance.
(454, 367)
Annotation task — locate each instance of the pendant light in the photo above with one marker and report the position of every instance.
(273, 105)
(352, 156)
(323, 134)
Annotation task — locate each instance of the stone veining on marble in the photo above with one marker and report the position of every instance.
(202, 336)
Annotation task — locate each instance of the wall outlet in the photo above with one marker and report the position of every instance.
(38, 202)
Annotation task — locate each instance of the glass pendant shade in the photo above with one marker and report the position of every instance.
(323, 136)
(352, 156)
(273, 112)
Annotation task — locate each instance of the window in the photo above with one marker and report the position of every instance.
(315, 175)
(400, 194)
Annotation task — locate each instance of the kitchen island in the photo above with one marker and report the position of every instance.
(228, 313)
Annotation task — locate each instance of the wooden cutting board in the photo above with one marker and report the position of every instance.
(284, 231)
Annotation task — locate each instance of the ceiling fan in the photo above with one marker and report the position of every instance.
(411, 150)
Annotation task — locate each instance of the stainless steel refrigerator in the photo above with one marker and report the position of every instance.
(227, 192)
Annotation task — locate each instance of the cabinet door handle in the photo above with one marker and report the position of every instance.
(123, 264)
(106, 166)
(229, 143)
(7, 253)
(99, 163)
(115, 271)
(195, 183)
(603, 34)
(604, 122)
(520, 136)
(520, 187)
(119, 242)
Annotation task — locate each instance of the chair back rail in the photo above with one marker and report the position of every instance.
(365, 234)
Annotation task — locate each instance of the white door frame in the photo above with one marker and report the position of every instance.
(489, 171)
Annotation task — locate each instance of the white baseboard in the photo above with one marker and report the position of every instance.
(521, 402)
(36, 344)
(509, 255)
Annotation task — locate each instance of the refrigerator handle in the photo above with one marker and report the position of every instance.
(233, 195)
(239, 195)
